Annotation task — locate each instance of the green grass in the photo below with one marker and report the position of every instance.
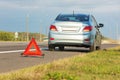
(98, 65)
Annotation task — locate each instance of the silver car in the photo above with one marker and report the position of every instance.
(80, 30)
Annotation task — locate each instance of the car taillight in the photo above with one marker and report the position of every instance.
(53, 28)
(51, 38)
(87, 29)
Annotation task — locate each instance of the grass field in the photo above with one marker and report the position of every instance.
(98, 65)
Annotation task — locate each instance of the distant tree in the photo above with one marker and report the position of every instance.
(10, 36)
(6, 36)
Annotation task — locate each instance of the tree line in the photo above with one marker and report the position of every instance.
(22, 36)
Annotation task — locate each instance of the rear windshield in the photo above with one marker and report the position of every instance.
(76, 18)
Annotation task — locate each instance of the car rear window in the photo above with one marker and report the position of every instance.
(76, 18)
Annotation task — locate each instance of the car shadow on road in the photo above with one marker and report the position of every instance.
(74, 50)
(70, 49)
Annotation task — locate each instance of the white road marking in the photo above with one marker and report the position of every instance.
(11, 51)
(14, 51)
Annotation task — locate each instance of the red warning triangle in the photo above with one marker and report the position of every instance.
(36, 52)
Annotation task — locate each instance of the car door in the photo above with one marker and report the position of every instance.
(97, 34)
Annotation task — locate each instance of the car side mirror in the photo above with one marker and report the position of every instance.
(100, 25)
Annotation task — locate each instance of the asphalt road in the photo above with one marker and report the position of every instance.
(11, 60)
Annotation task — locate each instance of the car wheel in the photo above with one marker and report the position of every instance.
(51, 47)
(61, 48)
(93, 47)
(98, 47)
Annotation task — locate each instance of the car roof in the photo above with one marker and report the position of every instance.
(75, 14)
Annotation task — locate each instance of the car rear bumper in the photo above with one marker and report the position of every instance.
(70, 40)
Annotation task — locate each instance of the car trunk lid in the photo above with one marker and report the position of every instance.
(69, 27)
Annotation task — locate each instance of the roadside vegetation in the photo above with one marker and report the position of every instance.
(22, 36)
(6, 36)
(98, 65)
(109, 41)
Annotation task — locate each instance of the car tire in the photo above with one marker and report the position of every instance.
(92, 47)
(61, 48)
(51, 47)
(98, 47)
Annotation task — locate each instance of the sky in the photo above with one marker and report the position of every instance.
(39, 14)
